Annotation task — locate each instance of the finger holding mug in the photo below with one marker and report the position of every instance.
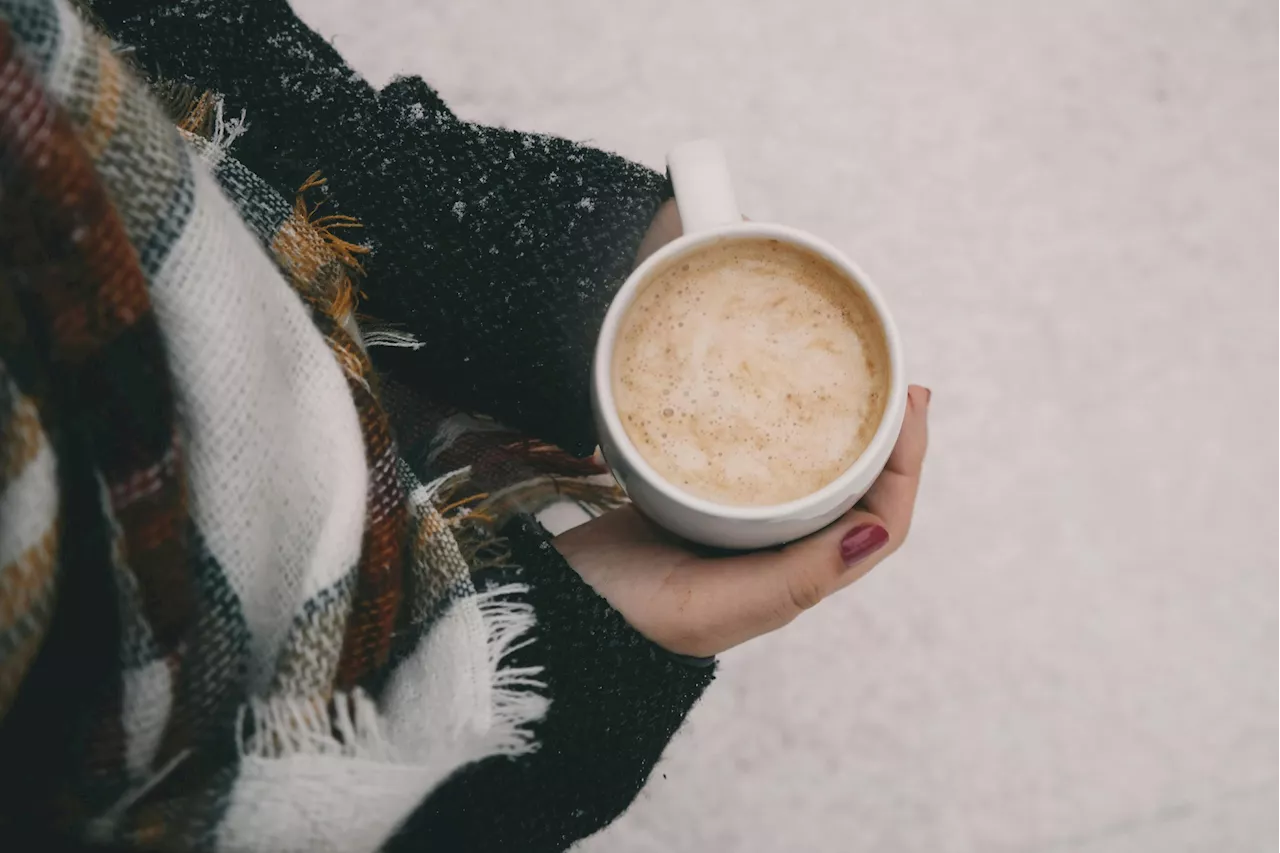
(748, 384)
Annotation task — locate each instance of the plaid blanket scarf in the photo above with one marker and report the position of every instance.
(245, 616)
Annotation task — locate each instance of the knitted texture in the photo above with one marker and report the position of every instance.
(197, 464)
(618, 701)
(233, 614)
(480, 233)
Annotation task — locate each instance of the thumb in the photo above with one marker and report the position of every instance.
(804, 573)
(783, 584)
(741, 597)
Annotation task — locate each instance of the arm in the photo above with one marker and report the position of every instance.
(498, 250)
(617, 700)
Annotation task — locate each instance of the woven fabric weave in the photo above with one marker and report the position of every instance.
(196, 459)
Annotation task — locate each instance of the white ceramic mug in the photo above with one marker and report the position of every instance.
(709, 213)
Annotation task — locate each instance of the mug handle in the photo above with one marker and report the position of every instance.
(704, 191)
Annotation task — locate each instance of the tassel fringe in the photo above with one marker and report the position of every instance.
(517, 696)
(349, 725)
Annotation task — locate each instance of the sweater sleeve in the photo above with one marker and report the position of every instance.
(498, 251)
(616, 700)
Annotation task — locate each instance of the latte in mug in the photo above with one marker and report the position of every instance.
(751, 372)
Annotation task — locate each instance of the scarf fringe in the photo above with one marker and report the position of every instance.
(594, 495)
(554, 460)
(456, 426)
(205, 120)
(101, 829)
(518, 697)
(349, 725)
(387, 337)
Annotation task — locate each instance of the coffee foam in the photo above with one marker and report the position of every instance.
(751, 372)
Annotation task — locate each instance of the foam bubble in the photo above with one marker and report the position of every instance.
(768, 370)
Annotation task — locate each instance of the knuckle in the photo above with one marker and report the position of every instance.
(804, 591)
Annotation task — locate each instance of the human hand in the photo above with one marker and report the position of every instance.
(694, 604)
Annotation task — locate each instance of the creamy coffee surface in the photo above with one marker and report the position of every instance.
(750, 373)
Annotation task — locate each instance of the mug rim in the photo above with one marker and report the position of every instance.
(602, 379)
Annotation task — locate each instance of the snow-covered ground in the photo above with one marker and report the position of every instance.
(1072, 208)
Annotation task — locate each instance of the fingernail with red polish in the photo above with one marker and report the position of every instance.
(861, 542)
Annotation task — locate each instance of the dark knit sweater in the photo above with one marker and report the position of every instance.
(499, 251)
(616, 700)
